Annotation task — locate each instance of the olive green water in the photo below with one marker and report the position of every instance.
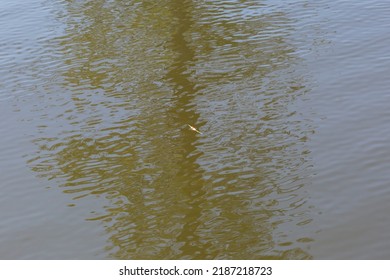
(97, 159)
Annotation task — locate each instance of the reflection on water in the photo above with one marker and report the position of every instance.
(114, 126)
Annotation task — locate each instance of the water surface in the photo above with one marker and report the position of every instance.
(98, 161)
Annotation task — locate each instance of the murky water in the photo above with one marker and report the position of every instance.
(98, 160)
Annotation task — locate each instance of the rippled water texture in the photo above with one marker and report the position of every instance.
(98, 160)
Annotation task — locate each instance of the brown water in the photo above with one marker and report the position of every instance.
(97, 160)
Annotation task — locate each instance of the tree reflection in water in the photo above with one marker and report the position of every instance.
(134, 75)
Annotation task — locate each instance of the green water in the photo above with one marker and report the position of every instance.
(98, 161)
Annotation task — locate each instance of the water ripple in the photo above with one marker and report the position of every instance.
(114, 89)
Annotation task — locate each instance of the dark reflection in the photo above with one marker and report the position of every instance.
(190, 174)
(134, 75)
